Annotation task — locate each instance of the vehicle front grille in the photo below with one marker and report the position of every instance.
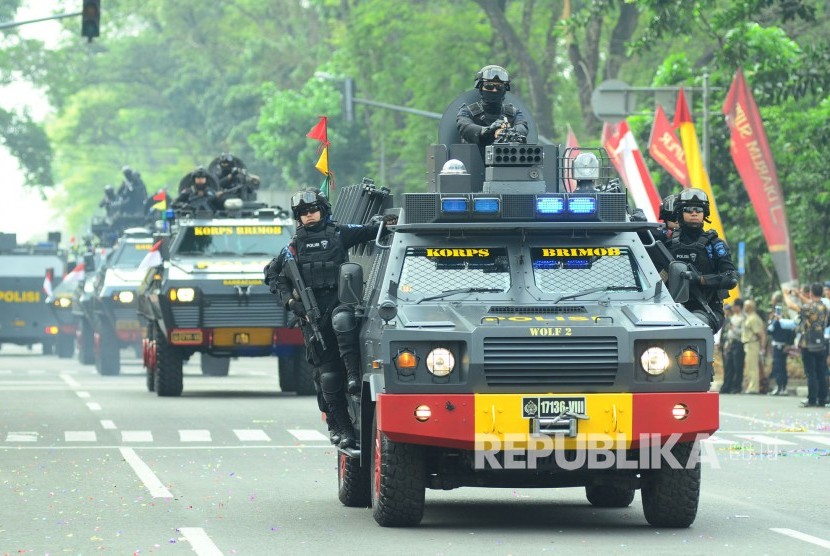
(231, 310)
(551, 361)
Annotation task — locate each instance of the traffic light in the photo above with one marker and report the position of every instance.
(348, 99)
(91, 19)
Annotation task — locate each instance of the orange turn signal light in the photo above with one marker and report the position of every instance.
(689, 358)
(406, 360)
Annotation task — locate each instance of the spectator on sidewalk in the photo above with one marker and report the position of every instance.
(754, 336)
(733, 367)
(782, 333)
(813, 321)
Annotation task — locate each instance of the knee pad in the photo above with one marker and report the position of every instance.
(331, 382)
(342, 319)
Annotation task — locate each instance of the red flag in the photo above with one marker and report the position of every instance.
(152, 258)
(160, 196)
(75, 275)
(572, 149)
(628, 160)
(753, 159)
(666, 149)
(47, 281)
(319, 132)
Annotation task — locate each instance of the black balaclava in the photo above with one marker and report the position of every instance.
(492, 101)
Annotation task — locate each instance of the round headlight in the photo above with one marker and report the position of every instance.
(186, 295)
(126, 297)
(64, 302)
(440, 362)
(655, 361)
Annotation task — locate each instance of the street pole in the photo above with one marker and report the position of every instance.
(706, 123)
(10, 24)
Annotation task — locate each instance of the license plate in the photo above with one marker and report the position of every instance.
(542, 407)
(19, 322)
(188, 337)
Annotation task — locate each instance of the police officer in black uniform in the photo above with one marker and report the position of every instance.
(199, 194)
(234, 179)
(711, 270)
(132, 193)
(482, 122)
(668, 215)
(320, 246)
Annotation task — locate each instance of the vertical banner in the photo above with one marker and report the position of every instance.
(697, 173)
(320, 133)
(753, 159)
(571, 146)
(666, 150)
(628, 160)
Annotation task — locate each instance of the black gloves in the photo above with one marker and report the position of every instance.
(693, 275)
(390, 219)
(490, 132)
(296, 307)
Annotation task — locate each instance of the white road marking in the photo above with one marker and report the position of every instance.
(304, 435)
(21, 437)
(718, 440)
(195, 436)
(82, 394)
(93, 406)
(153, 484)
(763, 439)
(816, 438)
(36, 372)
(252, 435)
(136, 436)
(201, 543)
(80, 436)
(802, 536)
(69, 380)
(107, 424)
(776, 424)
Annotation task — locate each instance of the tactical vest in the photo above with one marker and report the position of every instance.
(699, 254)
(319, 255)
(483, 118)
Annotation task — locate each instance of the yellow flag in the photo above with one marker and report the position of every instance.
(161, 205)
(697, 173)
(323, 162)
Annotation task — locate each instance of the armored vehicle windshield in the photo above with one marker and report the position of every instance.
(230, 241)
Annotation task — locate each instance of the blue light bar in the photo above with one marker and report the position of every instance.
(453, 204)
(545, 264)
(489, 205)
(582, 205)
(550, 205)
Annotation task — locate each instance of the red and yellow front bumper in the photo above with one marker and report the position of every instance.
(459, 420)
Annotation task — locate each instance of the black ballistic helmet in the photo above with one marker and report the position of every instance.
(667, 208)
(492, 73)
(692, 197)
(309, 197)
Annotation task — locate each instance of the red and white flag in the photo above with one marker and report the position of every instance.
(75, 275)
(152, 258)
(47, 282)
(628, 160)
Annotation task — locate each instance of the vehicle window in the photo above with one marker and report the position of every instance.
(431, 270)
(130, 255)
(232, 240)
(570, 269)
(29, 265)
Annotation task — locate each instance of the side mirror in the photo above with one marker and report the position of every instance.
(678, 283)
(89, 262)
(350, 286)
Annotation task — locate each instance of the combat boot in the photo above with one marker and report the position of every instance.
(334, 436)
(352, 363)
(342, 425)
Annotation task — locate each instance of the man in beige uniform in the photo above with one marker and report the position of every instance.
(753, 338)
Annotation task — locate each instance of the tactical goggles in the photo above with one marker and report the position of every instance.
(303, 198)
(499, 87)
(494, 73)
(308, 209)
(694, 210)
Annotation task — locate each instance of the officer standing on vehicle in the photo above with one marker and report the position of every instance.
(198, 196)
(319, 247)
(132, 193)
(234, 180)
(668, 215)
(711, 270)
(482, 122)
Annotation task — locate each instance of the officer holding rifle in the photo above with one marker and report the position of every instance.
(305, 275)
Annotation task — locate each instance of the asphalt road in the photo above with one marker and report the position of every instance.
(92, 464)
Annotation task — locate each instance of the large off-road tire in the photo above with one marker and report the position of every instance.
(48, 347)
(609, 496)
(670, 496)
(215, 366)
(398, 481)
(65, 345)
(168, 373)
(297, 374)
(353, 487)
(108, 354)
(86, 343)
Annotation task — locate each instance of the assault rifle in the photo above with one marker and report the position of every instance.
(306, 298)
(509, 134)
